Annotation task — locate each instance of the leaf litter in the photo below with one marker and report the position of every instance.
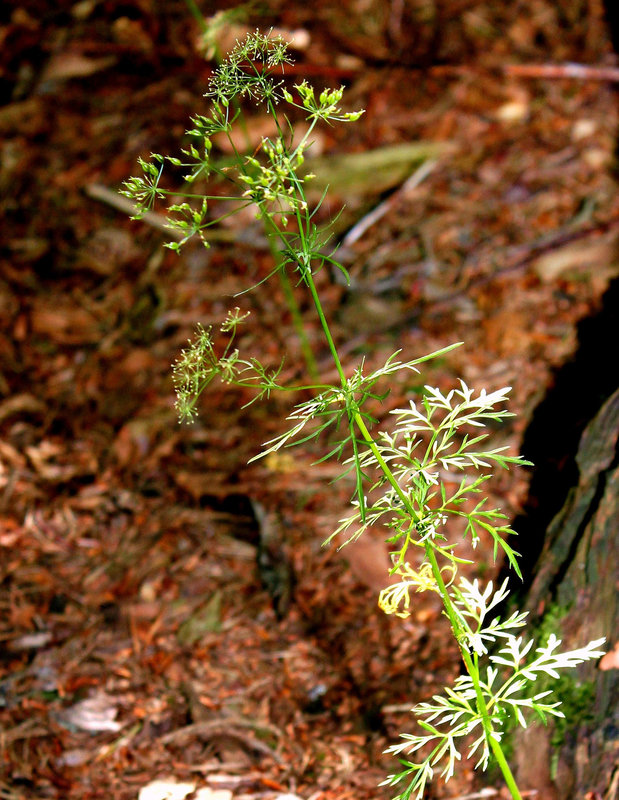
(140, 647)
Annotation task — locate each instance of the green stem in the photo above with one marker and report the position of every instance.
(297, 321)
(325, 326)
(473, 672)
(291, 300)
(197, 14)
(454, 620)
(199, 17)
(309, 281)
(508, 776)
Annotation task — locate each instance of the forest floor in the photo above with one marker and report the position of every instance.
(138, 642)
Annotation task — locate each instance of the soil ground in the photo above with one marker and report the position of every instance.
(138, 640)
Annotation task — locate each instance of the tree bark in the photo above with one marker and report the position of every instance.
(574, 589)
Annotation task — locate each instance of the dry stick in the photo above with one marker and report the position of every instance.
(580, 72)
(97, 191)
(572, 71)
(379, 211)
(482, 793)
(524, 254)
(233, 728)
(521, 256)
(568, 71)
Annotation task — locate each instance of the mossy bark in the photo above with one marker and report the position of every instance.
(575, 591)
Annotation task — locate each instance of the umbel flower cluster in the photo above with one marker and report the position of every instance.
(420, 477)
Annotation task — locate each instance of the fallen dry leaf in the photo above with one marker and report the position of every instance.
(369, 560)
(598, 256)
(611, 659)
(95, 714)
(21, 404)
(166, 790)
(63, 66)
(64, 323)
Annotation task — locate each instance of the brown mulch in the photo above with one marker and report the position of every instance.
(137, 640)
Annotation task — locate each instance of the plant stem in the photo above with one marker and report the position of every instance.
(508, 776)
(276, 189)
(456, 624)
(325, 326)
(291, 300)
(197, 14)
(473, 672)
(297, 321)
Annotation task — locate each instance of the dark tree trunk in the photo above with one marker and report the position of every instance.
(571, 588)
(576, 585)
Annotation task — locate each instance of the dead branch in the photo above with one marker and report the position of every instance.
(104, 195)
(233, 728)
(248, 236)
(522, 256)
(579, 72)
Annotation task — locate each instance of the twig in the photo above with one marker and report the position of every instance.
(357, 231)
(247, 236)
(104, 195)
(28, 729)
(522, 255)
(482, 793)
(232, 728)
(580, 72)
